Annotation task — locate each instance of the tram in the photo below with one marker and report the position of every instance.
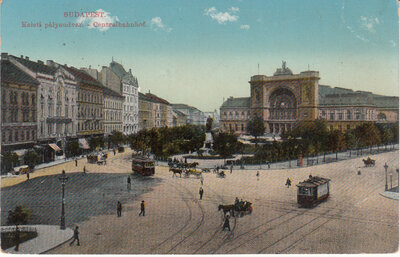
(143, 166)
(312, 191)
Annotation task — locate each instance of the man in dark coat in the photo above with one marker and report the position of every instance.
(226, 223)
(119, 209)
(201, 191)
(76, 162)
(129, 183)
(142, 208)
(76, 236)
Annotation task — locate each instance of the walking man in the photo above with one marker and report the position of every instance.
(119, 209)
(142, 208)
(27, 176)
(84, 169)
(258, 175)
(231, 168)
(129, 183)
(201, 180)
(76, 236)
(76, 162)
(288, 182)
(226, 223)
(201, 191)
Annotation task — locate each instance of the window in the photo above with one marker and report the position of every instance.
(348, 126)
(332, 116)
(340, 116)
(3, 96)
(16, 136)
(323, 113)
(348, 115)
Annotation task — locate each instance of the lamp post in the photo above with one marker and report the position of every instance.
(63, 179)
(398, 180)
(386, 184)
(391, 185)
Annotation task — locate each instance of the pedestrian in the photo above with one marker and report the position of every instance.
(114, 151)
(201, 191)
(76, 162)
(231, 168)
(288, 182)
(129, 183)
(226, 223)
(142, 208)
(119, 209)
(258, 175)
(201, 180)
(27, 176)
(84, 169)
(359, 171)
(76, 236)
(310, 176)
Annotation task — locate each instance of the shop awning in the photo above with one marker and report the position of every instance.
(55, 147)
(83, 143)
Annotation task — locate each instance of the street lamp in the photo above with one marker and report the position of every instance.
(386, 184)
(63, 179)
(391, 185)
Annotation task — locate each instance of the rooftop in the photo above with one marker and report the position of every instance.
(313, 182)
(236, 102)
(12, 74)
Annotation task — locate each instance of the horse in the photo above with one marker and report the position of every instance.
(227, 208)
(369, 162)
(192, 165)
(175, 171)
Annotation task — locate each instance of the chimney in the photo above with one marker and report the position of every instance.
(50, 63)
(90, 66)
(22, 57)
(41, 62)
(130, 71)
(27, 58)
(4, 56)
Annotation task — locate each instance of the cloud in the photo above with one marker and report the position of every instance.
(246, 27)
(222, 17)
(95, 22)
(357, 35)
(369, 23)
(157, 24)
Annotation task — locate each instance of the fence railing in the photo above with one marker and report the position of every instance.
(22, 228)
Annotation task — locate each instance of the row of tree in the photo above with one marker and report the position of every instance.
(164, 142)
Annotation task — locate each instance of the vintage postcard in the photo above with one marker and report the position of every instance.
(199, 127)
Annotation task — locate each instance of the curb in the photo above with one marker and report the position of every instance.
(60, 244)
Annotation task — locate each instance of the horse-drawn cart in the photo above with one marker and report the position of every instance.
(369, 162)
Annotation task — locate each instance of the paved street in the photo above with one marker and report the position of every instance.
(355, 219)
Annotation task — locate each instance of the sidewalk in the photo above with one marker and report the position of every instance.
(48, 238)
(391, 193)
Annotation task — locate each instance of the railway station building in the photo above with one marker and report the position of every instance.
(285, 99)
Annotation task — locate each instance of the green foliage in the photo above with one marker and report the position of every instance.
(8, 160)
(209, 124)
(225, 144)
(73, 149)
(31, 158)
(116, 138)
(256, 127)
(20, 215)
(166, 141)
(95, 142)
(367, 134)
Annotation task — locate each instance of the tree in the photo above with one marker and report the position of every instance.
(256, 127)
(368, 134)
(116, 137)
(225, 144)
(73, 149)
(210, 121)
(20, 215)
(31, 158)
(8, 160)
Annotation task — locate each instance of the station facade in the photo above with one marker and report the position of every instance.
(285, 99)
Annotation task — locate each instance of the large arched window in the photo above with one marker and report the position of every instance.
(282, 104)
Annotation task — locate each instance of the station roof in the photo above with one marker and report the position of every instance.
(313, 182)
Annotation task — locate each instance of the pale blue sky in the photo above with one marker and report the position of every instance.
(198, 52)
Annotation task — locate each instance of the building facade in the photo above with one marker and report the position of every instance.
(113, 106)
(179, 118)
(146, 112)
(90, 102)
(285, 99)
(194, 115)
(164, 111)
(130, 91)
(18, 108)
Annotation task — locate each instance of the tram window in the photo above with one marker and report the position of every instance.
(304, 191)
